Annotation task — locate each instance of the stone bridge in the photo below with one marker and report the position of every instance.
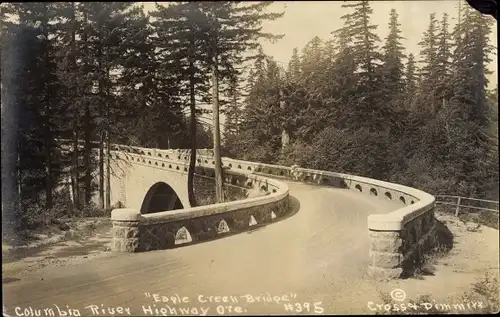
(316, 236)
(152, 185)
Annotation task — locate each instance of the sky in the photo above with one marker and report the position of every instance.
(304, 20)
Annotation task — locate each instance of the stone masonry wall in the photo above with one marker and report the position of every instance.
(397, 253)
(125, 236)
(144, 235)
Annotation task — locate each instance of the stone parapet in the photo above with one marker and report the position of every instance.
(398, 239)
(135, 232)
(403, 250)
(126, 233)
(158, 231)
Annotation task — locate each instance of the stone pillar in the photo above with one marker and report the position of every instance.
(385, 254)
(126, 234)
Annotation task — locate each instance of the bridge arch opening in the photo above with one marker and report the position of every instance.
(160, 197)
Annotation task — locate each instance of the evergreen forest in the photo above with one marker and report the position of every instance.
(107, 72)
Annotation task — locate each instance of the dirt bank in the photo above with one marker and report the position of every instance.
(71, 241)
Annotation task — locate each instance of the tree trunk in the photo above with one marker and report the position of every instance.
(88, 144)
(285, 139)
(11, 137)
(48, 167)
(48, 149)
(108, 146)
(101, 127)
(219, 194)
(101, 170)
(285, 136)
(74, 162)
(108, 171)
(87, 156)
(74, 159)
(192, 159)
(19, 181)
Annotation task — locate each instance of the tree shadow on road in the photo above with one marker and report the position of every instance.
(7, 280)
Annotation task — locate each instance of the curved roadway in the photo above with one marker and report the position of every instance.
(320, 254)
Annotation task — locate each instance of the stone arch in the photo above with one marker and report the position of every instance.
(160, 197)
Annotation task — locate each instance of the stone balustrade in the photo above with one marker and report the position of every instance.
(398, 239)
(136, 232)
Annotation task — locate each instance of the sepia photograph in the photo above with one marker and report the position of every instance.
(247, 158)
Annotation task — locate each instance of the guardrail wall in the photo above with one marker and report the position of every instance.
(136, 232)
(398, 239)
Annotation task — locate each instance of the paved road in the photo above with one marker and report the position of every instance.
(319, 255)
